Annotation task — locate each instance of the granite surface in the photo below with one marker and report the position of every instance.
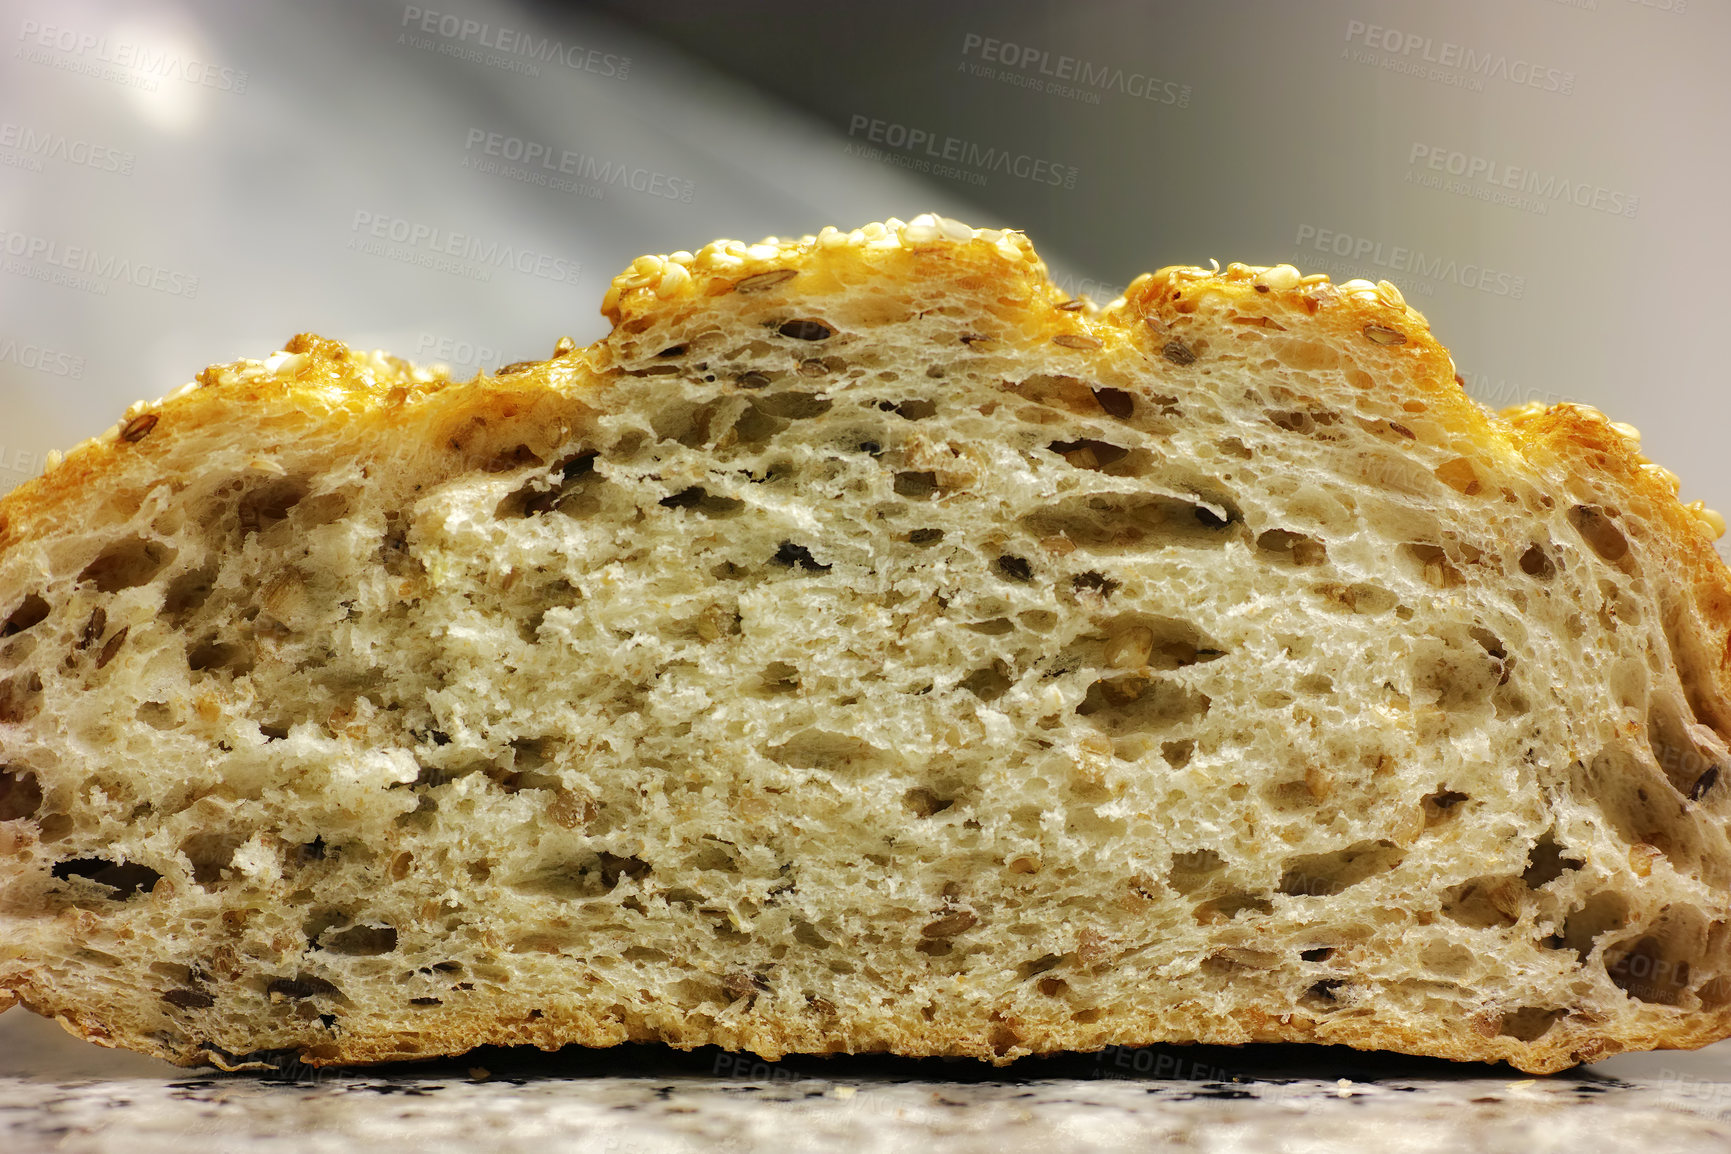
(67, 1097)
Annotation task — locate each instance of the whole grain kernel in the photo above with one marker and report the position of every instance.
(1076, 341)
(1129, 649)
(1178, 353)
(112, 648)
(763, 281)
(139, 427)
(1384, 336)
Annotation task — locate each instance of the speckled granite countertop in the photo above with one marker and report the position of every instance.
(67, 1097)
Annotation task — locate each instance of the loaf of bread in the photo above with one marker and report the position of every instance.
(865, 647)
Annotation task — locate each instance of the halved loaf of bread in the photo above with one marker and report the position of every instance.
(867, 648)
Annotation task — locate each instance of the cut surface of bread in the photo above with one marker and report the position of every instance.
(865, 647)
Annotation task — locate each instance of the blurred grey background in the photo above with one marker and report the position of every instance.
(189, 181)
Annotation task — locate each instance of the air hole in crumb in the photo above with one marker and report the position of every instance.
(188, 591)
(686, 423)
(1132, 520)
(269, 504)
(511, 460)
(794, 406)
(360, 941)
(1143, 641)
(1485, 902)
(917, 486)
(1434, 565)
(1318, 954)
(1115, 402)
(1014, 568)
(1089, 454)
(301, 987)
(1178, 753)
(20, 697)
(1193, 870)
(922, 802)
(823, 750)
(1715, 993)
(1685, 764)
(569, 493)
(1317, 875)
(20, 794)
(912, 410)
(1647, 971)
(756, 426)
(1598, 915)
(31, 611)
(1459, 475)
(925, 536)
(1095, 583)
(1440, 806)
(1535, 562)
(1303, 421)
(1230, 906)
(806, 330)
(209, 854)
(716, 856)
(212, 655)
(1135, 703)
(124, 878)
(1547, 862)
(1038, 966)
(1599, 532)
(127, 564)
(1293, 548)
(798, 557)
(1529, 1023)
(990, 683)
(700, 499)
(779, 677)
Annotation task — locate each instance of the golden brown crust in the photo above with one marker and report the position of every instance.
(1581, 453)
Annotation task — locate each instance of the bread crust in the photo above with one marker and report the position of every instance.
(1580, 453)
